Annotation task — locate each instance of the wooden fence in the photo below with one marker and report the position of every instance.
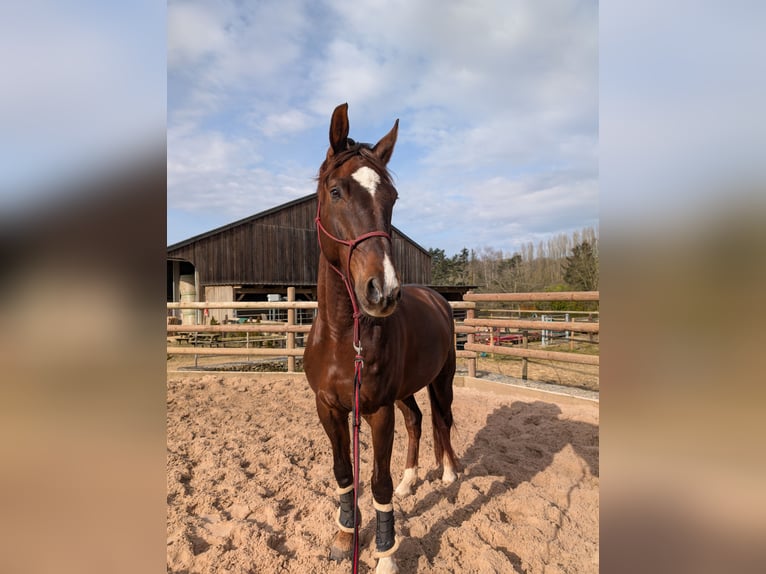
(207, 340)
(525, 326)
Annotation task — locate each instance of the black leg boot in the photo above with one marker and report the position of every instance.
(346, 511)
(386, 542)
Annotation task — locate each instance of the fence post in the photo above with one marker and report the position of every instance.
(524, 360)
(471, 314)
(291, 334)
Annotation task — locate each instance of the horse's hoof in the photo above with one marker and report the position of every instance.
(449, 476)
(342, 546)
(403, 491)
(408, 481)
(387, 565)
(448, 473)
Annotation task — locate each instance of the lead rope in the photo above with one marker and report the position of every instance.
(358, 359)
(358, 364)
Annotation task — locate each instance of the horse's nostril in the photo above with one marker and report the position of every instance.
(373, 291)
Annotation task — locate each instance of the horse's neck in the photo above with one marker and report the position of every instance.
(334, 305)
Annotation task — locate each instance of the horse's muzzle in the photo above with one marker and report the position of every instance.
(380, 299)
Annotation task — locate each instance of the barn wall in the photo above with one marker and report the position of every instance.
(279, 247)
(286, 256)
(413, 264)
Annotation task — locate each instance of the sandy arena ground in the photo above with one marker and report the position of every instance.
(250, 487)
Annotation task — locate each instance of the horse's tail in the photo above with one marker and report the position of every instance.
(440, 396)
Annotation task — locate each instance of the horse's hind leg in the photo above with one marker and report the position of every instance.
(440, 395)
(412, 420)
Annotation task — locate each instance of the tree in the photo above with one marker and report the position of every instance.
(449, 270)
(439, 266)
(460, 263)
(535, 267)
(509, 274)
(581, 268)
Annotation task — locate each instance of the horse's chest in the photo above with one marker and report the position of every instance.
(378, 386)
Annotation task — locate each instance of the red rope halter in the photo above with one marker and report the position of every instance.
(358, 359)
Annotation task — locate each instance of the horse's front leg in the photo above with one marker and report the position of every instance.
(386, 543)
(335, 423)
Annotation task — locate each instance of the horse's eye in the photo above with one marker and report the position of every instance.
(335, 193)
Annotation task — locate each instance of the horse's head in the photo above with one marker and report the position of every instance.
(356, 199)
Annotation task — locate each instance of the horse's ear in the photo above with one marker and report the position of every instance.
(385, 147)
(339, 129)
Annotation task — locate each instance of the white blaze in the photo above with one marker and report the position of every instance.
(367, 178)
(389, 275)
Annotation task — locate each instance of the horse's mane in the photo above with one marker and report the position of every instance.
(354, 149)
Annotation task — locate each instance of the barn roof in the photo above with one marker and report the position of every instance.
(279, 247)
(243, 221)
(264, 214)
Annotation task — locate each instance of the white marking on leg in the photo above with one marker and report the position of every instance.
(340, 490)
(368, 178)
(390, 282)
(387, 565)
(448, 476)
(408, 481)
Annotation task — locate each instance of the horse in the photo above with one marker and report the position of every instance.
(399, 338)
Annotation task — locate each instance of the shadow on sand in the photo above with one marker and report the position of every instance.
(517, 442)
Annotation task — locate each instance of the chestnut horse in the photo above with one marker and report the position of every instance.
(399, 338)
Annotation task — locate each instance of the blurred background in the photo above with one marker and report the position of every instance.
(82, 286)
(82, 261)
(683, 214)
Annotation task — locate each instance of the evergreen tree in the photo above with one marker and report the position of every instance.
(581, 268)
(439, 267)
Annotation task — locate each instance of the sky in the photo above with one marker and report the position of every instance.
(497, 104)
(83, 89)
(518, 120)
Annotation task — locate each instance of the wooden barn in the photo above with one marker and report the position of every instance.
(259, 257)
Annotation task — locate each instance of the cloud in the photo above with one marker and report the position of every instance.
(213, 173)
(348, 70)
(216, 173)
(497, 211)
(198, 154)
(195, 30)
(287, 122)
(498, 103)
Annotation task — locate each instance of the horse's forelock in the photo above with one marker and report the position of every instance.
(357, 149)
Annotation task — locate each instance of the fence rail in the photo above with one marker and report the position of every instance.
(241, 328)
(524, 297)
(535, 354)
(471, 326)
(243, 305)
(581, 326)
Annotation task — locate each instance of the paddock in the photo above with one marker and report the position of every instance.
(250, 486)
